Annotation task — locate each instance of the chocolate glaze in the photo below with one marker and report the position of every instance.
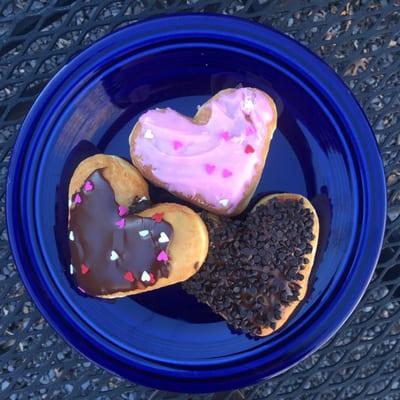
(96, 235)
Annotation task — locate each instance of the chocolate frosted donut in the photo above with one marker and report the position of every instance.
(121, 244)
(112, 251)
(257, 270)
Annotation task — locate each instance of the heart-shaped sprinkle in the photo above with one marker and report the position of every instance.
(84, 269)
(121, 223)
(88, 186)
(247, 106)
(163, 256)
(148, 134)
(71, 236)
(210, 168)
(78, 199)
(144, 198)
(177, 144)
(114, 255)
(163, 238)
(224, 202)
(158, 217)
(184, 171)
(144, 233)
(129, 276)
(249, 149)
(145, 277)
(225, 135)
(250, 131)
(71, 269)
(122, 211)
(152, 278)
(226, 173)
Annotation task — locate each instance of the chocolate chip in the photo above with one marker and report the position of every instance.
(254, 265)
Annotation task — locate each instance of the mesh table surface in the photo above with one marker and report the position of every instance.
(360, 40)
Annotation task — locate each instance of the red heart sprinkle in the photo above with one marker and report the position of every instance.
(152, 279)
(84, 269)
(158, 217)
(249, 149)
(129, 276)
(226, 173)
(209, 168)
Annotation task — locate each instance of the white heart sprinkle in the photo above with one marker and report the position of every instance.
(71, 236)
(71, 269)
(148, 134)
(163, 238)
(144, 233)
(247, 106)
(114, 255)
(146, 277)
(224, 202)
(144, 198)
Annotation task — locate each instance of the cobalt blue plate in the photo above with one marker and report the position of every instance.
(324, 149)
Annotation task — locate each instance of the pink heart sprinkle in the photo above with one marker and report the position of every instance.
(210, 168)
(78, 199)
(88, 186)
(122, 211)
(121, 223)
(225, 135)
(226, 173)
(250, 131)
(177, 144)
(163, 256)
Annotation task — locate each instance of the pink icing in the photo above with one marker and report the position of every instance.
(208, 154)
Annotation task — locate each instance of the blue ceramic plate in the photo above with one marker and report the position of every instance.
(323, 149)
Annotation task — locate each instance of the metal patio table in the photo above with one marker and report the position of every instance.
(360, 40)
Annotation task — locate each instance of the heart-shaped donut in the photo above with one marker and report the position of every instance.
(213, 160)
(257, 269)
(122, 245)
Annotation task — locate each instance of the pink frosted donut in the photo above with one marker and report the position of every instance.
(214, 160)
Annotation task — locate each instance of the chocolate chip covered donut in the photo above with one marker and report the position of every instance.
(257, 270)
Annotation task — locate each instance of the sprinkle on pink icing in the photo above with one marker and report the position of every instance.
(225, 135)
(226, 173)
(163, 256)
(177, 144)
(250, 131)
(185, 171)
(249, 149)
(210, 168)
(88, 186)
(78, 199)
(122, 211)
(121, 223)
